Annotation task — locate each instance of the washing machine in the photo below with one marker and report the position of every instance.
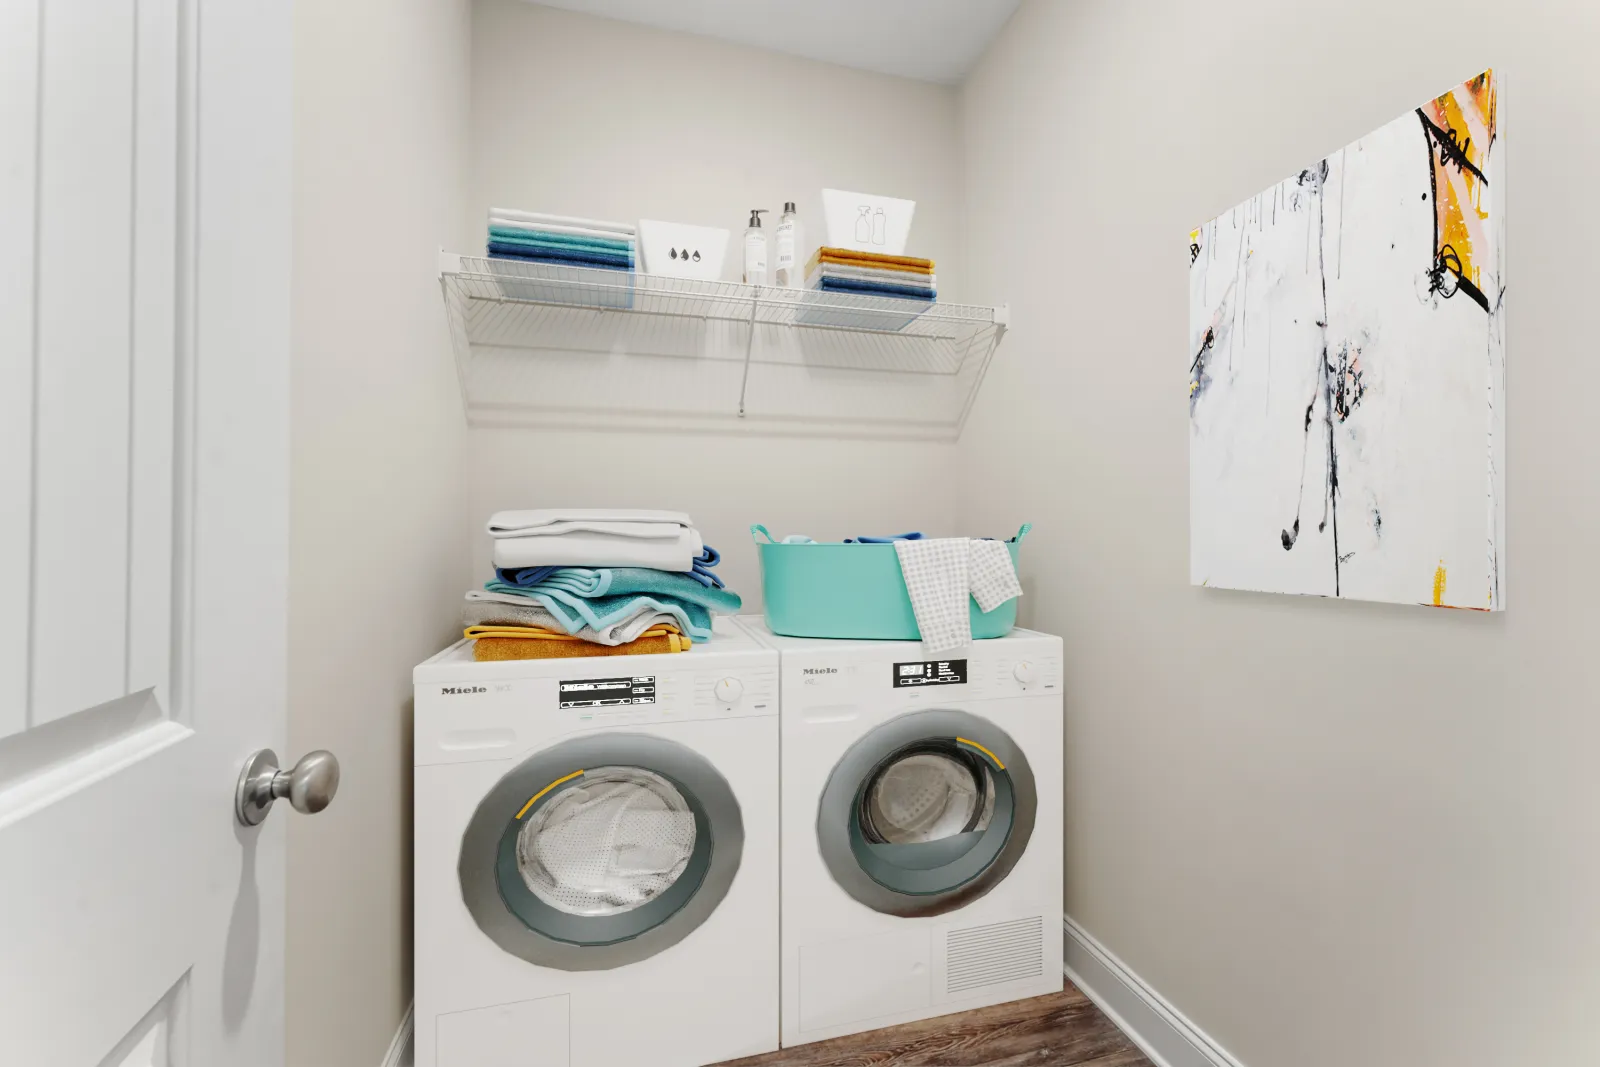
(922, 828)
(596, 858)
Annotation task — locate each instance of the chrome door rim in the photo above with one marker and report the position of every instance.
(972, 868)
(532, 930)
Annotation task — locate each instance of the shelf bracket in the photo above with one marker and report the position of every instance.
(749, 345)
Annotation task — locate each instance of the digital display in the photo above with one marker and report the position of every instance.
(930, 672)
(608, 692)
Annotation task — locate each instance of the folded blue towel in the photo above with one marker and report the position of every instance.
(526, 576)
(865, 288)
(554, 255)
(590, 583)
(702, 568)
(915, 535)
(576, 612)
(560, 240)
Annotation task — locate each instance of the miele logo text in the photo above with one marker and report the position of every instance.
(454, 690)
(819, 670)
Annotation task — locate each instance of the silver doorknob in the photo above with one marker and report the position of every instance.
(310, 784)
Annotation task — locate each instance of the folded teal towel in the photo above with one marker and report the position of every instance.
(576, 612)
(558, 240)
(634, 581)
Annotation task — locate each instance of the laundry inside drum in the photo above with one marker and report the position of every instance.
(927, 794)
(613, 842)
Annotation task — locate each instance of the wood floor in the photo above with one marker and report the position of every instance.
(1060, 1030)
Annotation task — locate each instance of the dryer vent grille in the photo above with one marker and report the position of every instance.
(994, 955)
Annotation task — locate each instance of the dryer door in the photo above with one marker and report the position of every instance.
(926, 813)
(601, 851)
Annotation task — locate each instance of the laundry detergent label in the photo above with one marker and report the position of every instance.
(608, 692)
(930, 672)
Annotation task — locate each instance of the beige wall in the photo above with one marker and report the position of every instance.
(378, 547)
(1330, 833)
(579, 115)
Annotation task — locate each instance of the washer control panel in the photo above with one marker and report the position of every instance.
(491, 717)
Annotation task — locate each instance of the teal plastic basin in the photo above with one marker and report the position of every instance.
(830, 589)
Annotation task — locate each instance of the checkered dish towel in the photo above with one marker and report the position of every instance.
(941, 573)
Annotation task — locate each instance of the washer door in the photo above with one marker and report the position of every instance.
(926, 813)
(601, 851)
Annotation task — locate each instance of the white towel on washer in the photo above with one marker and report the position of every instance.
(941, 573)
(599, 549)
(546, 520)
(595, 537)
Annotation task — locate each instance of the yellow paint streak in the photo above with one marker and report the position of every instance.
(1466, 114)
(1453, 224)
(535, 798)
(985, 751)
(1438, 585)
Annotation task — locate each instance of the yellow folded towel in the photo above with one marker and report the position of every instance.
(542, 633)
(850, 258)
(526, 642)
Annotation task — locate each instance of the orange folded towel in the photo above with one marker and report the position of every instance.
(851, 258)
(654, 642)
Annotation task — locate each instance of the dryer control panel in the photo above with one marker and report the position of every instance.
(984, 670)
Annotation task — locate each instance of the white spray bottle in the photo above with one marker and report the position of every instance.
(755, 250)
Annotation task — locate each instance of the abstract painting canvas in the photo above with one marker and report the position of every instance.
(1347, 370)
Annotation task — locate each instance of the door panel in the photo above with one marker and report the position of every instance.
(90, 557)
(19, 98)
(153, 345)
(83, 230)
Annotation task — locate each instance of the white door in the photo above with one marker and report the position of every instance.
(144, 352)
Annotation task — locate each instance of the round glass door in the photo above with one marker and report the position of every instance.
(601, 851)
(926, 813)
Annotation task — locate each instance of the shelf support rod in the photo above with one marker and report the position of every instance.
(749, 344)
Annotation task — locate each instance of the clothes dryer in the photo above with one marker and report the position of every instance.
(922, 828)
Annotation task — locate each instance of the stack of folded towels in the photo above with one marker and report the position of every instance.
(595, 582)
(842, 270)
(536, 238)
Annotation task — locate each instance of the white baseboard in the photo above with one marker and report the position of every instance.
(399, 1054)
(1160, 1030)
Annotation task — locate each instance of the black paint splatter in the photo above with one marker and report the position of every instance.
(1348, 386)
(1446, 277)
(1198, 378)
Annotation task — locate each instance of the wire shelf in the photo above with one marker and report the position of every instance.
(540, 344)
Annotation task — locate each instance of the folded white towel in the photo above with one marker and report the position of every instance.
(941, 573)
(594, 549)
(521, 523)
(644, 531)
(552, 227)
(539, 218)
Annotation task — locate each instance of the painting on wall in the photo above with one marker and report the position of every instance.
(1347, 370)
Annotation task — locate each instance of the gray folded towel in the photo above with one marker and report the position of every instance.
(484, 608)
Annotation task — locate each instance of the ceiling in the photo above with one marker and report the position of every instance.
(930, 40)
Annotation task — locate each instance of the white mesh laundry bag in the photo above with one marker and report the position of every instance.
(607, 845)
(927, 796)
